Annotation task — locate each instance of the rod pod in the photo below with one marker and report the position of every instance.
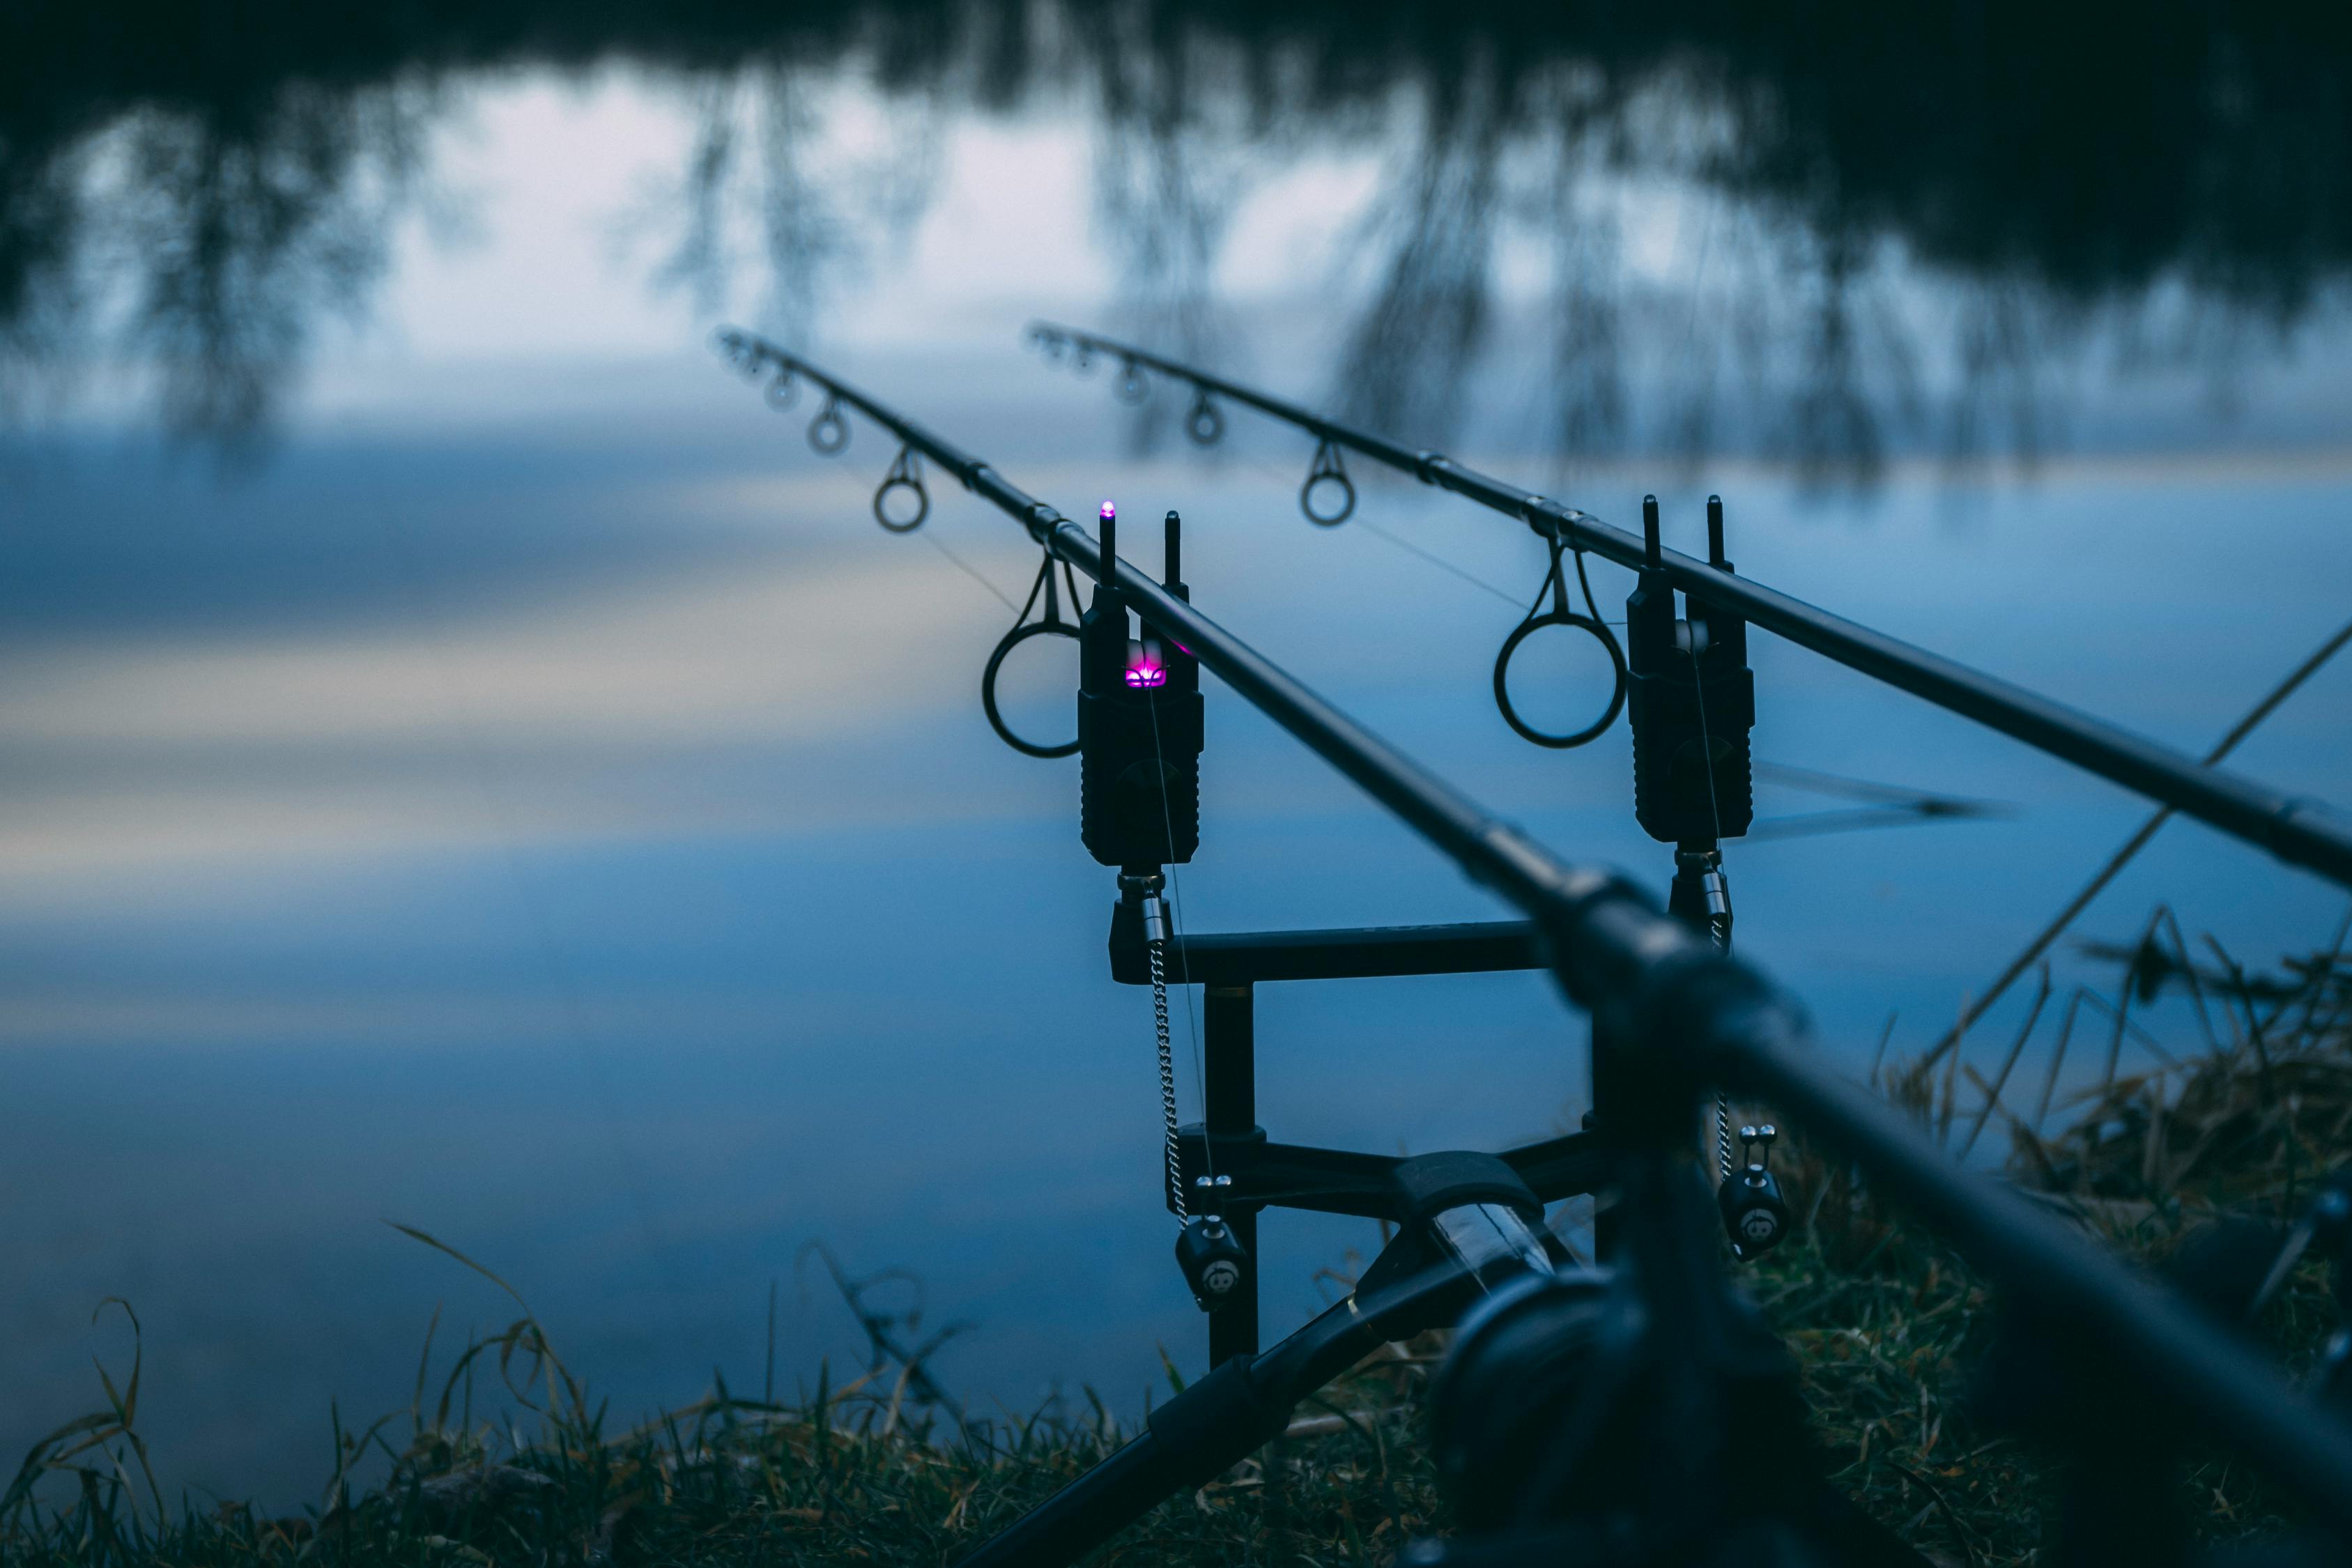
(1693, 1012)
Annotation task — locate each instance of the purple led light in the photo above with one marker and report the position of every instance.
(1146, 674)
(1109, 513)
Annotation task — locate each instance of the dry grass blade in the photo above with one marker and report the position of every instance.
(2016, 1050)
(525, 1337)
(2058, 925)
(61, 1451)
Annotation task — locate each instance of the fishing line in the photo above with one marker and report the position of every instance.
(2246, 811)
(969, 570)
(829, 436)
(1643, 970)
(1431, 557)
(1438, 561)
(930, 536)
(1265, 467)
(1707, 747)
(1913, 804)
(901, 476)
(1530, 618)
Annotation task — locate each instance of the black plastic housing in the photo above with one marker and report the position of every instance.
(1139, 747)
(1694, 778)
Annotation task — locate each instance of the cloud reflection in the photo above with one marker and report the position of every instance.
(423, 731)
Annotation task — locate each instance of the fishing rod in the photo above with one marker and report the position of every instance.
(2300, 832)
(1672, 1010)
(1684, 682)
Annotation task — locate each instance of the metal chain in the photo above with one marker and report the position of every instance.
(1167, 1075)
(1715, 928)
(1159, 1006)
(1722, 1101)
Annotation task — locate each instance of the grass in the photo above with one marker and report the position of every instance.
(1886, 1323)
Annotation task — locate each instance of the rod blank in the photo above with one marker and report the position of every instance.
(2300, 832)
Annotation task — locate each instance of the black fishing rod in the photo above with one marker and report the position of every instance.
(2299, 831)
(1673, 1011)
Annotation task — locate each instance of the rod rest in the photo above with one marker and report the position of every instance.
(1207, 1429)
(1243, 958)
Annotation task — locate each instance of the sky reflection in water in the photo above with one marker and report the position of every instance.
(516, 794)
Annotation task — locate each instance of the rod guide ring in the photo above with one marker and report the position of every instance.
(829, 432)
(1204, 422)
(1050, 624)
(1325, 471)
(1004, 646)
(906, 474)
(1527, 629)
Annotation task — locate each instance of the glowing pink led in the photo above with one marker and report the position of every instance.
(1109, 513)
(1148, 673)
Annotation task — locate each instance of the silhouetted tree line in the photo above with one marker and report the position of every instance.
(207, 178)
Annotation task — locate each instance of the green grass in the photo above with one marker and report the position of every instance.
(502, 1456)
(858, 1475)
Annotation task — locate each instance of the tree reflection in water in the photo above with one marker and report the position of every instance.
(1899, 227)
(202, 248)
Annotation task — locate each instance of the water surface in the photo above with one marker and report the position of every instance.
(470, 765)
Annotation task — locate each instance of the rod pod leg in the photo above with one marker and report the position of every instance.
(1228, 1029)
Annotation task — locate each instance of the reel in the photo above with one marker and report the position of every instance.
(1637, 1413)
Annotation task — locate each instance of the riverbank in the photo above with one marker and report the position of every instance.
(504, 1454)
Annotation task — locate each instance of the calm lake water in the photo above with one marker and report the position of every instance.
(468, 764)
